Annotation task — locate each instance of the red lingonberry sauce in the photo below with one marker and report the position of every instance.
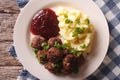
(45, 23)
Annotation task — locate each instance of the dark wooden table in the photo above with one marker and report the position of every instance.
(9, 66)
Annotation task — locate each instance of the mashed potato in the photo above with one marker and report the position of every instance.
(75, 29)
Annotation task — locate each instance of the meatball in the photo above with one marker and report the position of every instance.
(65, 51)
(52, 41)
(80, 59)
(70, 62)
(54, 55)
(52, 67)
(37, 41)
(42, 56)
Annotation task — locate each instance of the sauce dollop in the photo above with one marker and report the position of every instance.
(45, 23)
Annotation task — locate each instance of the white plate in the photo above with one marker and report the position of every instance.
(22, 38)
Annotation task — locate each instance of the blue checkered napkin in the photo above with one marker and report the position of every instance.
(22, 3)
(110, 68)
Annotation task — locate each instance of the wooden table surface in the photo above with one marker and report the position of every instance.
(9, 66)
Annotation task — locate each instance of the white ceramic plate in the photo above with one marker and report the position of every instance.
(22, 38)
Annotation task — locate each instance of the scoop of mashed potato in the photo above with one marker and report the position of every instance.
(75, 29)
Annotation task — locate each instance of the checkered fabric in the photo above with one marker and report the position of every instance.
(110, 67)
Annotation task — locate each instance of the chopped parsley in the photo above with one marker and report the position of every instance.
(83, 46)
(77, 21)
(65, 15)
(73, 51)
(78, 53)
(68, 21)
(56, 65)
(45, 45)
(75, 34)
(35, 50)
(43, 55)
(57, 45)
(87, 21)
(69, 26)
(77, 31)
(65, 45)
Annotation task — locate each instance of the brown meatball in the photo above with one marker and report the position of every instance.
(37, 41)
(42, 56)
(80, 59)
(64, 71)
(52, 41)
(54, 55)
(65, 51)
(52, 67)
(70, 62)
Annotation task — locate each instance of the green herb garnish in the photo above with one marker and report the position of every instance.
(75, 34)
(56, 65)
(65, 45)
(78, 30)
(87, 21)
(45, 45)
(83, 46)
(73, 51)
(43, 55)
(57, 45)
(35, 50)
(65, 15)
(68, 21)
(78, 53)
(69, 26)
(77, 21)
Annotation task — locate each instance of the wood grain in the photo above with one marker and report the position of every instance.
(8, 6)
(5, 58)
(7, 22)
(9, 66)
(9, 72)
